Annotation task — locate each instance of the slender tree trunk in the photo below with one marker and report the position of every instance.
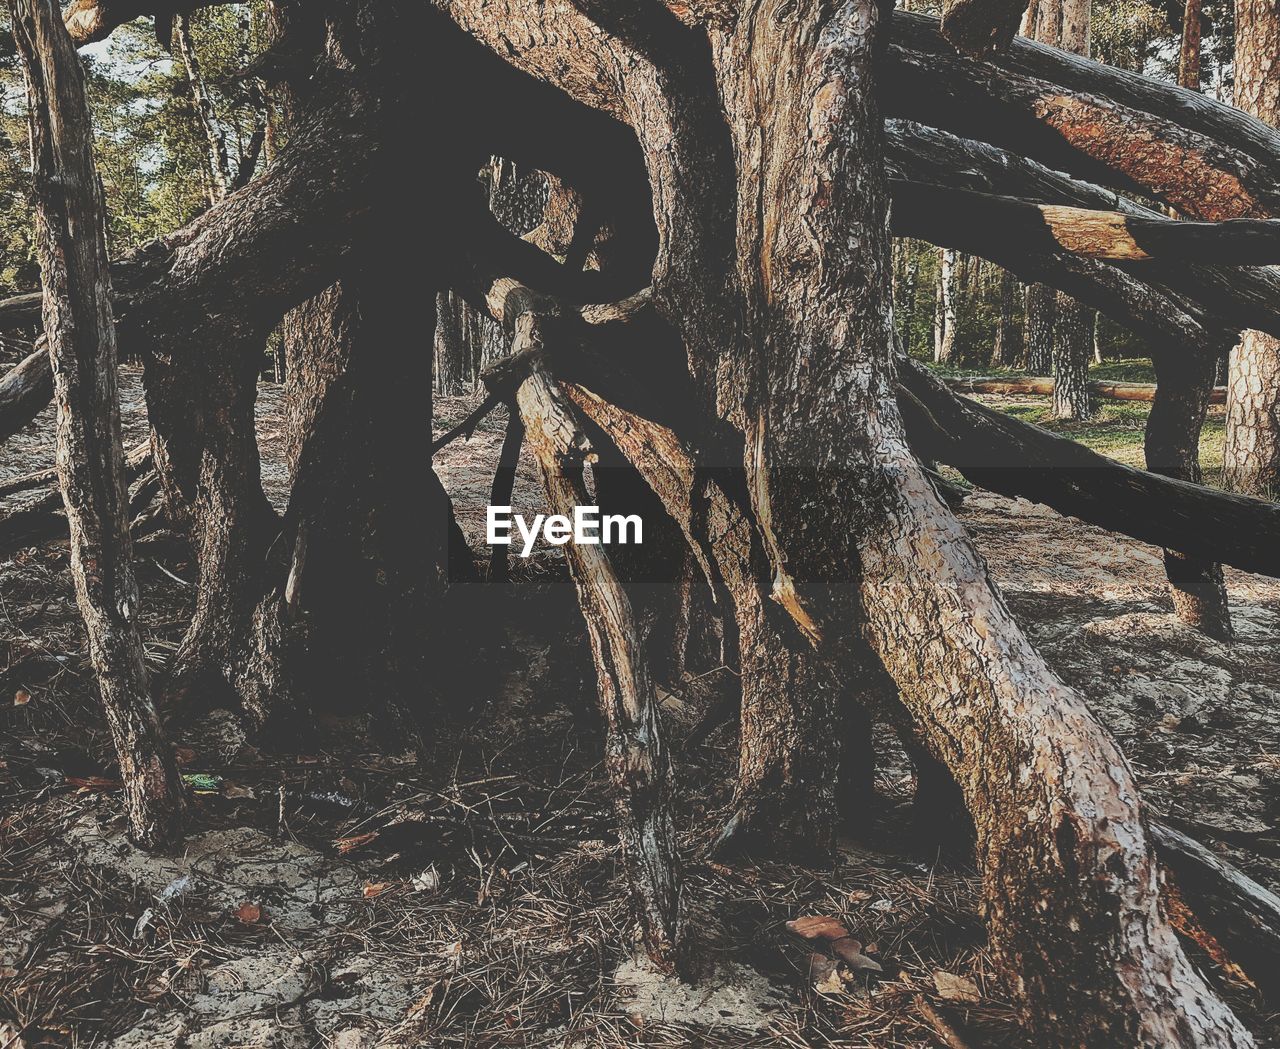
(1008, 344)
(78, 322)
(1189, 52)
(1172, 439)
(1075, 323)
(219, 164)
(945, 326)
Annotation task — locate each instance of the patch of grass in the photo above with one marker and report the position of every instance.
(1117, 429)
(1137, 369)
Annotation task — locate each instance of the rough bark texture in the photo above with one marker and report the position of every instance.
(634, 753)
(1251, 462)
(1172, 441)
(1041, 315)
(24, 391)
(1094, 121)
(71, 235)
(977, 27)
(1189, 48)
(1073, 333)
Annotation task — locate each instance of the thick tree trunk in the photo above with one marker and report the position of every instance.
(71, 234)
(451, 369)
(1072, 347)
(1173, 448)
(1040, 319)
(1251, 462)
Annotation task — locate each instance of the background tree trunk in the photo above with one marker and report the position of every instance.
(1041, 316)
(1172, 442)
(1008, 345)
(1251, 462)
(71, 234)
(944, 335)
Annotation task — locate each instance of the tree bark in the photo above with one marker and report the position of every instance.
(634, 751)
(1041, 316)
(1251, 461)
(1072, 348)
(1189, 50)
(1093, 121)
(1172, 442)
(944, 334)
(71, 234)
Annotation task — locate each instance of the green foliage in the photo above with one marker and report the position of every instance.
(152, 151)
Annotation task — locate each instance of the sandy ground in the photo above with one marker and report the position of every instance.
(343, 895)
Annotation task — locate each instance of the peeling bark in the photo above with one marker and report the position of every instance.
(71, 235)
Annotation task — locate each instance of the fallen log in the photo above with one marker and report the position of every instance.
(1005, 455)
(1094, 234)
(24, 391)
(1242, 296)
(1089, 119)
(1242, 914)
(1042, 387)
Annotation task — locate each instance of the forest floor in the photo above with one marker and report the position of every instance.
(335, 894)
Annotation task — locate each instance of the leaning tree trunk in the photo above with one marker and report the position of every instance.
(78, 322)
(1172, 439)
(219, 165)
(1251, 462)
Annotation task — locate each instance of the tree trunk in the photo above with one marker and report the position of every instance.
(1008, 345)
(219, 164)
(71, 235)
(1189, 51)
(451, 368)
(1172, 443)
(945, 327)
(1072, 348)
(1040, 319)
(634, 750)
(1251, 462)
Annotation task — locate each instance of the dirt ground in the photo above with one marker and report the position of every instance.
(341, 895)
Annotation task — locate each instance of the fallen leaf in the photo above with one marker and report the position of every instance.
(816, 927)
(21, 698)
(238, 793)
(955, 988)
(249, 913)
(355, 842)
(377, 888)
